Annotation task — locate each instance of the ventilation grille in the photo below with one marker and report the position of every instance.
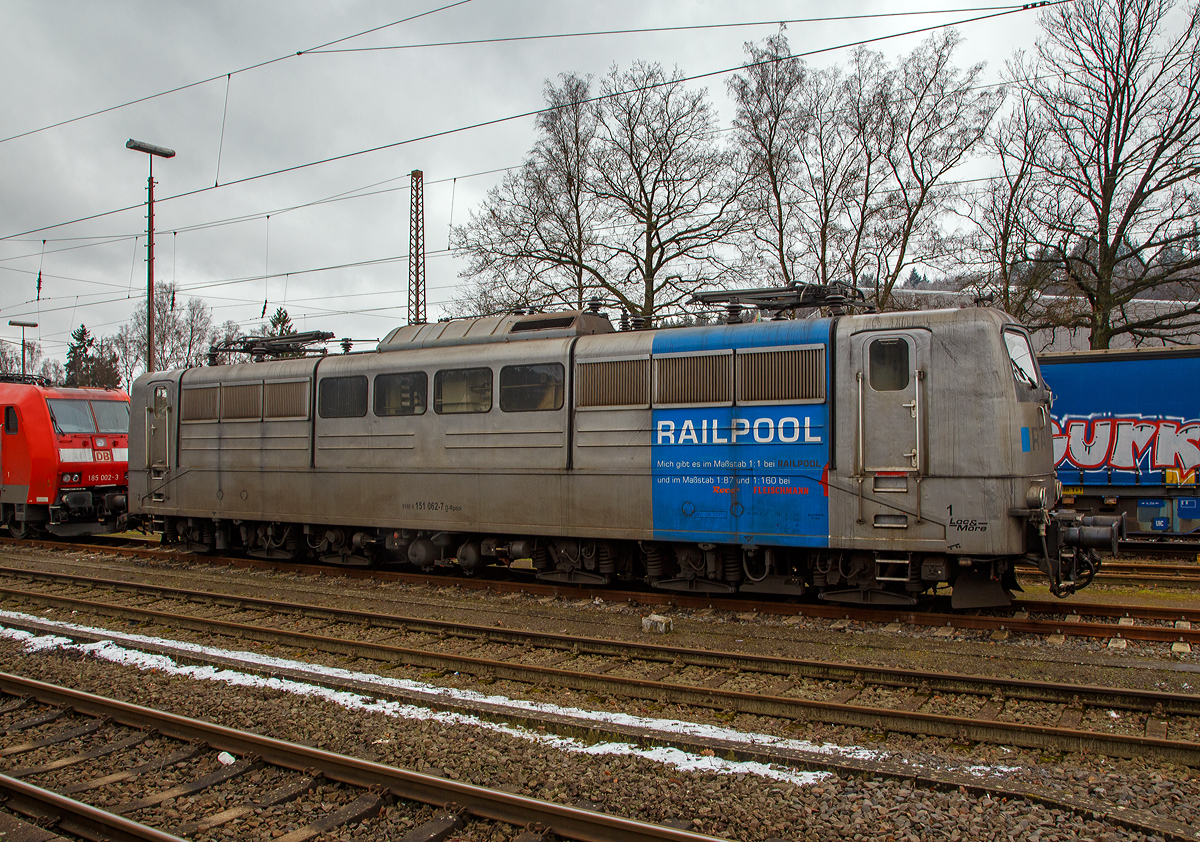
(614, 383)
(699, 379)
(199, 404)
(241, 402)
(792, 375)
(285, 400)
(552, 323)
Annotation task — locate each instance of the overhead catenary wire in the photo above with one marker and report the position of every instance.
(534, 112)
(246, 69)
(658, 30)
(221, 144)
(342, 197)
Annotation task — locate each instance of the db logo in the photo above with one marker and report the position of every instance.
(102, 455)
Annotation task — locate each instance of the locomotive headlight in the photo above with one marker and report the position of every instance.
(66, 478)
(1037, 497)
(74, 477)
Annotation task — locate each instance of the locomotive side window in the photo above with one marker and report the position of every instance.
(888, 365)
(343, 397)
(459, 390)
(401, 394)
(10, 420)
(1021, 355)
(528, 388)
(160, 401)
(71, 416)
(111, 416)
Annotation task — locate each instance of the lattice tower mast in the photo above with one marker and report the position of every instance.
(416, 251)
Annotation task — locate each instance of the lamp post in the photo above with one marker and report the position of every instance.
(22, 326)
(162, 152)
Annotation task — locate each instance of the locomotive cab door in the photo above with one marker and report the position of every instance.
(890, 371)
(160, 432)
(891, 446)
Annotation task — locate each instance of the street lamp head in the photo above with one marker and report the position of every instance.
(18, 323)
(140, 146)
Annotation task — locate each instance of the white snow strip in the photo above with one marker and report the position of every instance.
(684, 761)
(111, 650)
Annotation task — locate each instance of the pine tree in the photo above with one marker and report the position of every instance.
(90, 363)
(78, 357)
(280, 324)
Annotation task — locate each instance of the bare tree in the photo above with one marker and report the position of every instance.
(668, 187)
(867, 97)
(997, 250)
(10, 357)
(181, 334)
(1117, 209)
(931, 116)
(533, 242)
(130, 349)
(626, 195)
(832, 169)
(768, 124)
(35, 362)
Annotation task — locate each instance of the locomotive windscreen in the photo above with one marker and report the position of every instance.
(74, 416)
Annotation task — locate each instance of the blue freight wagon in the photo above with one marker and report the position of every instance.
(1127, 435)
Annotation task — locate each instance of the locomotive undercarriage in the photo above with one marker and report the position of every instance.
(76, 512)
(895, 579)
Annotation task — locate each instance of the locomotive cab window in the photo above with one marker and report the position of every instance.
(111, 416)
(160, 401)
(889, 365)
(462, 390)
(342, 397)
(401, 394)
(10, 420)
(1024, 368)
(71, 416)
(530, 388)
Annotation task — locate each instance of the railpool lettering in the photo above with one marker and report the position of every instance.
(788, 430)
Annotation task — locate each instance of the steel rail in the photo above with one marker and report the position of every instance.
(731, 661)
(495, 805)
(75, 817)
(983, 728)
(934, 779)
(819, 610)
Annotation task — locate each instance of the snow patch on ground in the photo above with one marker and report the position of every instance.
(117, 649)
(111, 651)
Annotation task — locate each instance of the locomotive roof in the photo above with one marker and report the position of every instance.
(568, 323)
(508, 328)
(10, 391)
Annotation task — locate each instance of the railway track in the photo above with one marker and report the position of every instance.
(1057, 620)
(1182, 574)
(62, 735)
(1146, 546)
(1044, 715)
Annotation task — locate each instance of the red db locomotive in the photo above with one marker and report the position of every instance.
(65, 457)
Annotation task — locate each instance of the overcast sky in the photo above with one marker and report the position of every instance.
(63, 60)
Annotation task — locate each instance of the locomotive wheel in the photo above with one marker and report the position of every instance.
(21, 530)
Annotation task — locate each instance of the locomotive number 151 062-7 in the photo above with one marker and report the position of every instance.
(431, 506)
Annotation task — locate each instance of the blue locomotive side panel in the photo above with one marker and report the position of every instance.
(1130, 419)
(743, 474)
